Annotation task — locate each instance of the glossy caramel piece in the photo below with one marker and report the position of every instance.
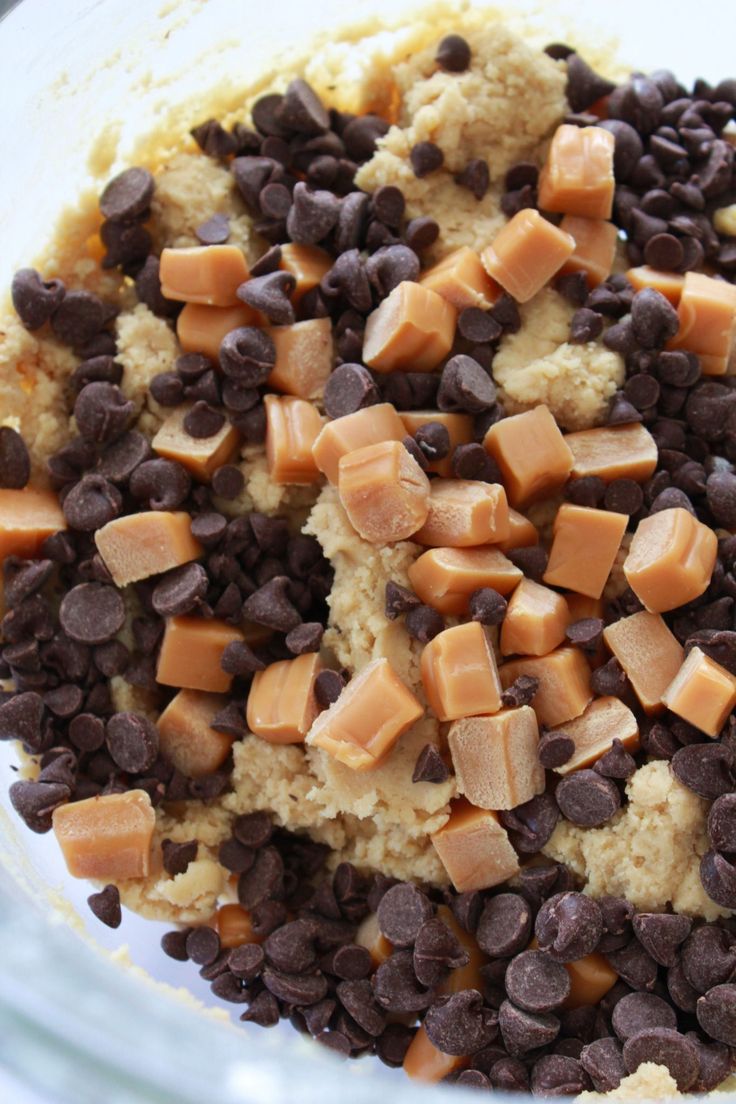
(137, 546)
(107, 838)
(458, 426)
(522, 532)
(191, 650)
(564, 683)
(186, 737)
(469, 975)
(702, 693)
(531, 453)
(459, 673)
(424, 1062)
(707, 313)
(584, 546)
(368, 426)
(235, 927)
(595, 247)
(526, 254)
(372, 712)
(292, 427)
(577, 177)
(384, 492)
(281, 703)
(535, 621)
(474, 848)
(669, 284)
(649, 653)
(412, 329)
(461, 279)
(27, 518)
(199, 455)
(593, 732)
(201, 329)
(495, 758)
(304, 357)
(445, 578)
(464, 513)
(307, 264)
(671, 559)
(590, 979)
(369, 936)
(205, 274)
(613, 452)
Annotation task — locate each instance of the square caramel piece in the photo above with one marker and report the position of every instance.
(475, 849)
(106, 837)
(304, 357)
(372, 712)
(463, 513)
(591, 978)
(702, 693)
(191, 650)
(459, 673)
(368, 426)
(707, 313)
(136, 546)
(584, 547)
(186, 736)
(577, 177)
(593, 732)
(461, 279)
(670, 560)
(522, 532)
(444, 578)
(27, 518)
(595, 247)
(281, 703)
(526, 254)
(495, 758)
(669, 284)
(384, 492)
(412, 329)
(613, 452)
(649, 653)
(564, 683)
(459, 428)
(531, 453)
(206, 274)
(292, 427)
(199, 455)
(535, 621)
(200, 329)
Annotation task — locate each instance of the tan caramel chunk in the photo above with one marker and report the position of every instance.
(292, 427)
(459, 673)
(458, 426)
(475, 849)
(187, 739)
(531, 453)
(564, 683)
(191, 651)
(369, 936)
(577, 177)
(581, 605)
(27, 518)
(444, 578)
(463, 513)
(413, 328)
(461, 279)
(106, 837)
(469, 975)
(304, 357)
(384, 492)
(424, 1062)
(526, 254)
(535, 621)
(137, 546)
(593, 733)
(522, 533)
(372, 712)
(199, 455)
(669, 284)
(495, 758)
(307, 264)
(702, 693)
(590, 979)
(201, 329)
(281, 705)
(235, 927)
(206, 274)
(707, 313)
(613, 452)
(584, 547)
(649, 654)
(595, 247)
(368, 426)
(671, 559)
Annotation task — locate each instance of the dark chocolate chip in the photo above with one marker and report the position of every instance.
(399, 600)
(587, 799)
(584, 86)
(609, 680)
(706, 769)
(424, 623)
(453, 54)
(180, 591)
(568, 926)
(253, 829)
(270, 295)
(616, 763)
(106, 906)
(102, 412)
(302, 110)
(535, 982)
(718, 876)
(460, 1023)
(349, 388)
(271, 606)
(425, 157)
(437, 951)
(15, 462)
(475, 177)
(665, 1047)
(555, 749)
(524, 1031)
(162, 484)
(623, 496)
(35, 802)
(203, 946)
(92, 613)
(327, 688)
(402, 911)
(421, 232)
(132, 741)
(521, 691)
(305, 638)
(34, 298)
(585, 325)
(603, 1061)
(505, 925)
(653, 318)
(471, 461)
(661, 934)
(634, 966)
(637, 1011)
(127, 195)
(312, 214)
(487, 606)
(79, 316)
(716, 1012)
(178, 856)
(430, 766)
(247, 355)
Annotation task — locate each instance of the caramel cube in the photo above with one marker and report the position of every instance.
(444, 578)
(522, 532)
(424, 1062)
(531, 453)
(199, 455)
(106, 837)
(191, 651)
(137, 546)
(669, 284)
(372, 712)
(384, 492)
(581, 606)
(201, 329)
(495, 758)
(235, 927)
(595, 247)
(413, 328)
(475, 849)
(613, 452)
(307, 264)
(526, 254)
(368, 426)
(564, 683)
(463, 513)
(671, 559)
(584, 546)
(469, 975)
(459, 673)
(535, 621)
(292, 427)
(369, 936)
(590, 979)
(186, 736)
(702, 693)
(304, 357)
(458, 426)
(649, 653)
(707, 313)
(593, 733)
(461, 279)
(577, 177)
(206, 274)
(27, 518)
(281, 704)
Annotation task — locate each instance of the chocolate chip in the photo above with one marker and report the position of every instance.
(720, 492)
(532, 560)
(653, 318)
(585, 633)
(180, 591)
(425, 157)
(120, 459)
(475, 177)
(586, 799)
(616, 763)
(642, 391)
(106, 906)
(716, 1012)
(609, 680)
(661, 934)
(203, 421)
(437, 951)
(247, 355)
(349, 388)
(666, 1048)
(102, 412)
(214, 231)
(127, 195)
(34, 298)
(78, 317)
(706, 769)
(453, 54)
(584, 86)
(178, 856)
(434, 441)
(568, 926)
(603, 1061)
(521, 691)
(253, 829)
(555, 749)
(15, 463)
(327, 688)
(424, 623)
(35, 802)
(634, 966)
(524, 1031)
(505, 925)
(132, 741)
(623, 496)
(399, 600)
(460, 1024)
(585, 325)
(430, 766)
(203, 946)
(92, 613)
(305, 638)
(718, 876)
(270, 295)
(361, 134)
(536, 983)
(637, 1011)
(621, 411)
(471, 461)
(401, 913)
(558, 1075)
(312, 214)
(162, 484)
(270, 606)
(573, 286)
(239, 659)
(421, 232)
(389, 205)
